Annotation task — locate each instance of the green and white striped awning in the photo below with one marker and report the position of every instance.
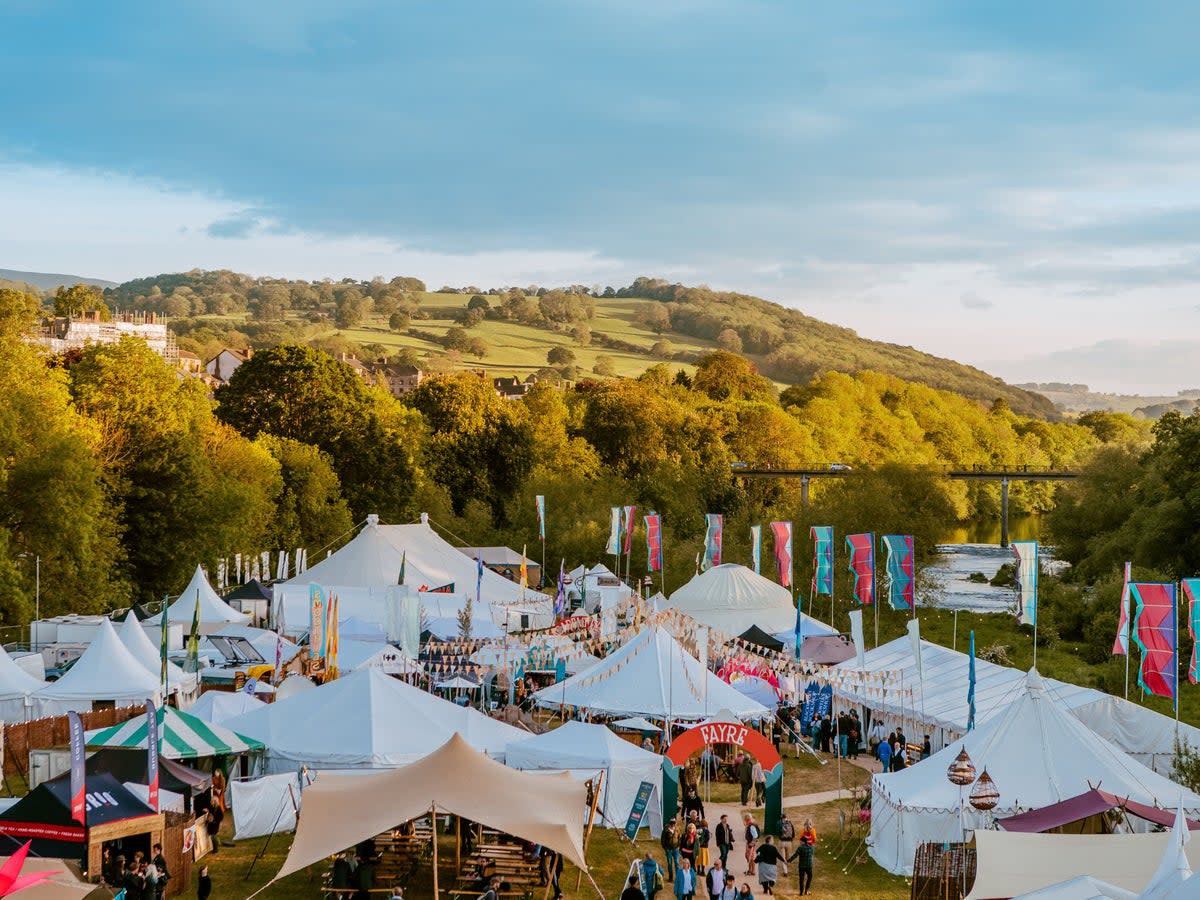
(181, 736)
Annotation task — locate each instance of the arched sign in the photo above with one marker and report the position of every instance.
(738, 735)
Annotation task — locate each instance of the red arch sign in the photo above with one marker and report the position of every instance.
(724, 733)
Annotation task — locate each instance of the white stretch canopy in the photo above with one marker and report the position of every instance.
(365, 720)
(1038, 754)
(731, 598)
(137, 642)
(586, 749)
(213, 610)
(652, 675)
(938, 704)
(16, 685)
(218, 707)
(265, 805)
(105, 671)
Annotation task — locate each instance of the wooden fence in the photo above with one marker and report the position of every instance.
(39, 734)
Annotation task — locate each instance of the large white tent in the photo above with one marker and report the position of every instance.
(137, 642)
(1037, 753)
(730, 598)
(583, 750)
(364, 571)
(365, 720)
(934, 700)
(214, 612)
(16, 687)
(106, 671)
(652, 675)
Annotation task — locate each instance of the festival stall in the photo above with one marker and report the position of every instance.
(180, 736)
(1037, 754)
(132, 768)
(106, 674)
(214, 613)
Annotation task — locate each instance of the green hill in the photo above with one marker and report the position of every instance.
(511, 331)
(45, 281)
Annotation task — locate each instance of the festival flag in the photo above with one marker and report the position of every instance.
(782, 533)
(627, 516)
(162, 647)
(822, 583)
(900, 570)
(712, 540)
(278, 658)
(78, 777)
(332, 632)
(654, 550)
(403, 566)
(1026, 578)
(479, 577)
(524, 570)
(560, 595)
(971, 686)
(756, 548)
(191, 662)
(151, 755)
(914, 639)
(862, 566)
(540, 502)
(856, 637)
(316, 622)
(1191, 592)
(1156, 632)
(1121, 642)
(614, 535)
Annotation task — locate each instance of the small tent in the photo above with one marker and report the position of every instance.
(16, 687)
(583, 750)
(214, 612)
(826, 650)
(759, 638)
(218, 707)
(180, 736)
(731, 598)
(106, 671)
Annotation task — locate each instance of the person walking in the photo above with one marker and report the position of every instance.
(787, 838)
(759, 777)
(670, 844)
(703, 839)
(744, 893)
(687, 845)
(803, 857)
(724, 840)
(767, 859)
(752, 834)
(745, 775)
(685, 881)
(876, 736)
(884, 752)
(714, 880)
(651, 875)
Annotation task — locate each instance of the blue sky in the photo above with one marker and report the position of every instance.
(1016, 185)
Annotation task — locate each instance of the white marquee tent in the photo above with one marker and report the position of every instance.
(106, 671)
(365, 720)
(1037, 753)
(583, 750)
(137, 642)
(214, 612)
(730, 598)
(354, 655)
(16, 686)
(652, 675)
(218, 707)
(938, 703)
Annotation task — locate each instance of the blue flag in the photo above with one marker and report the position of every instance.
(971, 687)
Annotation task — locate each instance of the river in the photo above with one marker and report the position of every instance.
(976, 548)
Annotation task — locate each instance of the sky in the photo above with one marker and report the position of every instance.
(1012, 184)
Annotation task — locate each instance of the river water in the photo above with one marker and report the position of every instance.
(945, 583)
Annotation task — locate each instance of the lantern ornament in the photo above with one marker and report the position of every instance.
(984, 795)
(962, 770)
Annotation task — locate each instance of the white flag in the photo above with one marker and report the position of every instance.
(856, 635)
(914, 635)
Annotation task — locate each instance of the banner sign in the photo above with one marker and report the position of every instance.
(638, 811)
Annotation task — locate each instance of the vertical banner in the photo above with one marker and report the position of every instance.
(613, 548)
(627, 517)
(914, 637)
(971, 686)
(1026, 577)
(1155, 631)
(524, 570)
(856, 635)
(822, 536)
(756, 549)
(331, 636)
(654, 550)
(1191, 593)
(862, 566)
(901, 571)
(540, 503)
(560, 595)
(162, 647)
(782, 534)
(1121, 642)
(410, 624)
(714, 529)
(316, 622)
(152, 755)
(265, 571)
(191, 662)
(78, 783)
(479, 577)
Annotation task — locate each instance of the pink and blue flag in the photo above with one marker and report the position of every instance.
(1156, 632)
(901, 573)
(1026, 577)
(1121, 643)
(1191, 592)
(628, 513)
(822, 583)
(862, 566)
(782, 532)
(712, 540)
(654, 551)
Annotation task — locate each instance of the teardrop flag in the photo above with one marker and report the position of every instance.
(1156, 631)
(712, 540)
(782, 533)
(900, 570)
(862, 566)
(822, 536)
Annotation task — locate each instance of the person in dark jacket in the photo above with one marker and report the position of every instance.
(203, 884)
(160, 865)
(745, 777)
(724, 835)
(632, 891)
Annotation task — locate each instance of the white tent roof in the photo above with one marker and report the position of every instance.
(358, 629)
(938, 705)
(212, 608)
(366, 720)
(1037, 753)
(731, 598)
(355, 654)
(15, 681)
(1082, 887)
(105, 671)
(218, 707)
(137, 642)
(577, 745)
(652, 675)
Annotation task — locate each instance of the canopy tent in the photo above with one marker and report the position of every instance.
(730, 598)
(826, 650)
(365, 720)
(181, 736)
(652, 675)
(447, 628)
(356, 654)
(457, 683)
(106, 671)
(131, 767)
(1174, 868)
(757, 689)
(16, 686)
(137, 642)
(938, 707)
(1037, 753)
(218, 707)
(292, 685)
(1074, 814)
(341, 809)
(585, 749)
(540, 654)
(637, 723)
(1082, 887)
(760, 638)
(214, 612)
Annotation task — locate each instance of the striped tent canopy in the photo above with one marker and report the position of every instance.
(181, 736)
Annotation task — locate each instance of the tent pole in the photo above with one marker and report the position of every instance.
(597, 786)
(433, 840)
(458, 843)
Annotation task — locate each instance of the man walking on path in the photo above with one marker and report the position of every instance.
(759, 777)
(724, 840)
(670, 845)
(745, 774)
(787, 837)
(751, 843)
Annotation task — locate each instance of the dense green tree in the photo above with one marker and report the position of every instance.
(310, 511)
(18, 312)
(724, 376)
(79, 298)
(560, 356)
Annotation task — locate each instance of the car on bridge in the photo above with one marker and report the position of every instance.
(840, 467)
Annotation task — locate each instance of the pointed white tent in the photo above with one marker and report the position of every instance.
(652, 675)
(1037, 753)
(365, 720)
(137, 642)
(1174, 869)
(730, 598)
(16, 686)
(214, 612)
(106, 671)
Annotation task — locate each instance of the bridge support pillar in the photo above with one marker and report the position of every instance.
(804, 490)
(1003, 512)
